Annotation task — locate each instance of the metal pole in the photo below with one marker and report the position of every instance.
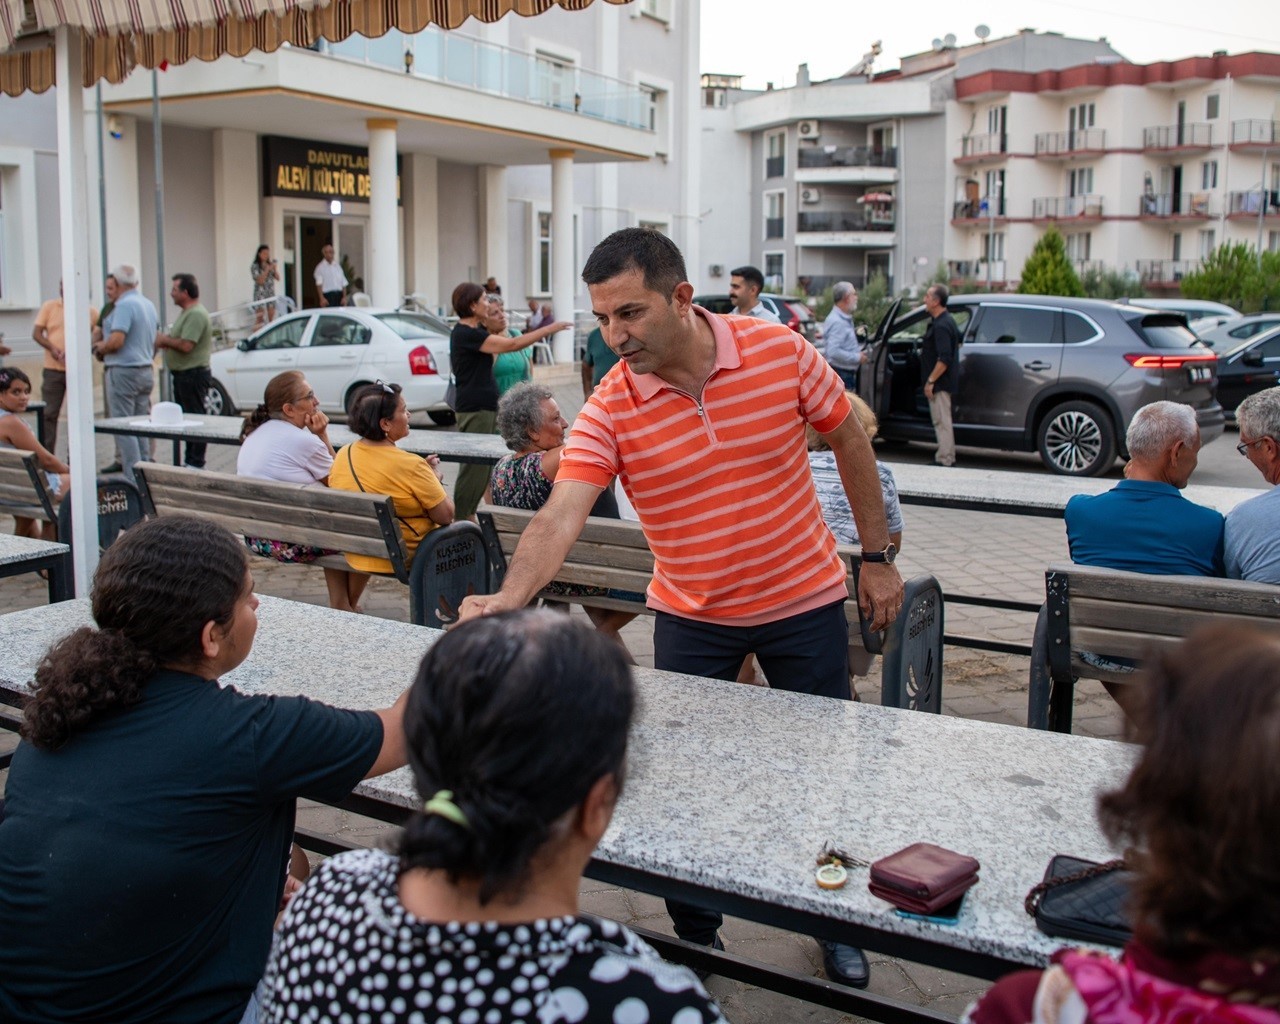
(166, 385)
(102, 214)
(991, 236)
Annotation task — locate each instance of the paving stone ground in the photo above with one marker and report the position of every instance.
(969, 552)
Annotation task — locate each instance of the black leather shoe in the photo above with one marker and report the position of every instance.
(845, 964)
(115, 467)
(717, 945)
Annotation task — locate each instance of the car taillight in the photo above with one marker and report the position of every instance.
(1168, 361)
(420, 362)
(794, 323)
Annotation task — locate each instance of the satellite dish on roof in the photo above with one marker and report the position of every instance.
(982, 32)
(937, 45)
(949, 40)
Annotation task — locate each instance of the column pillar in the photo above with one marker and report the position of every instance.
(422, 227)
(562, 249)
(236, 229)
(384, 241)
(493, 226)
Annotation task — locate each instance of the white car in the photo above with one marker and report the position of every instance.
(339, 350)
(1233, 332)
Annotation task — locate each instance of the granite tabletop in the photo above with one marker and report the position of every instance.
(450, 445)
(737, 788)
(16, 550)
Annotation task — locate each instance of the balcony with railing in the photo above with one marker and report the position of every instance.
(1165, 272)
(775, 166)
(977, 271)
(1175, 205)
(1078, 142)
(849, 156)
(843, 220)
(499, 70)
(1077, 208)
(815, 284)
(978, 211)
(1254, 203)
(987, 147)
(1177, 137)
(774, 227)
(1255, 134)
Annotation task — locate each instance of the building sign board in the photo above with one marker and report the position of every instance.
(317, 170)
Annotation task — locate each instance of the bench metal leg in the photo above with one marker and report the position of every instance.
(1039, 683)
(62, 585)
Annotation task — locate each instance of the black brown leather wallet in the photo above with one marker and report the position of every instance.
(922, 877)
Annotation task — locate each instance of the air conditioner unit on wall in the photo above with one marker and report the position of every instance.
(808, 129)
(810, 195)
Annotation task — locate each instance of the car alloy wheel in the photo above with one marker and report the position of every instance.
(1076, 439)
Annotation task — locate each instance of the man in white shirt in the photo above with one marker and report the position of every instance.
(745, 286)
(331, 282)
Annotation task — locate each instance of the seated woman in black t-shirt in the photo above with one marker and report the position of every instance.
(477, 916)
(149, 809)
(471, 352)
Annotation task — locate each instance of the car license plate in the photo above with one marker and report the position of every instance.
(1200, 374)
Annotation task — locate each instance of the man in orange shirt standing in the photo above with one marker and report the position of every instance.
(49, 332)
(703, 422)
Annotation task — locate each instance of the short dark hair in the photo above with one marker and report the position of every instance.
(370, 405)
(1202, 805)
(8, 374)
(940, 293)
(465, 296)
(187, 282)
(153, 592)
(749, 274)
(486, 719)
(644, 249)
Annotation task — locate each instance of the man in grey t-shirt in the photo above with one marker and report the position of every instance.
(1253, 526)
(126, 350)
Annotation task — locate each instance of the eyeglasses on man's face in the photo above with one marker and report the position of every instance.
(1244, 446)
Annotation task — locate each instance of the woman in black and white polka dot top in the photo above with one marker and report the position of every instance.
(476, 920)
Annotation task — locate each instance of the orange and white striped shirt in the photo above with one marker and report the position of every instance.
(722, 486)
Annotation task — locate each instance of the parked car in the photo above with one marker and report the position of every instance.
(339, 349)
(1192, 309)
(1253, 365)
(1239, 329)
(1059, 376)
(793, 312)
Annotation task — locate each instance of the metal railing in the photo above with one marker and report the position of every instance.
(843, 221)
(774, 227)
(1062, 207)
(1178, 136)
(976, 270)
(237, 322)
(988, 144)
(1174, 204)
(775, 166)
(815, 284)
(487, 67)
(1071, 141)
(1255, 132)
(849, 156)
(978, 209)
(1165, 270)
(1254, 202)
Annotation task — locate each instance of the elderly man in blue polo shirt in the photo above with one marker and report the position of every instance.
(842, 343)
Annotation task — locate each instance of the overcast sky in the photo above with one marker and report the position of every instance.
(832, 35)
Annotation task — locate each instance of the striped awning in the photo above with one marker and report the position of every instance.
(119, 35)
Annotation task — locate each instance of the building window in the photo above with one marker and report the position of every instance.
(1080, 117)
(1177, 246)
(1208, 242)
(657, 111)
(993, 246)
(993, 198)
(775, 212)
(996, 118)
(775, 154)
(1079, 246)
(1211, 106)
(659, 10)
(1080, 181)
(715, 97)
(553, 80)
(542, 259)
(1209, 174)
(19, 231)
(775, 270)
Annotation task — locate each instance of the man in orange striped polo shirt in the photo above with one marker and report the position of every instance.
(703, 422)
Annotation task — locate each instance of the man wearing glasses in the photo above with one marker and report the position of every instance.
(1253, 526)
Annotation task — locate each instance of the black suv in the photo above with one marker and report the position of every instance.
(1056, 375)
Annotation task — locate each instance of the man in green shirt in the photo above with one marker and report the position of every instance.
(187, 348)
(597, 360)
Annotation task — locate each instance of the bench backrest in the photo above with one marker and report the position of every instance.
(23, 487)
(1115, 614)
(363, 524)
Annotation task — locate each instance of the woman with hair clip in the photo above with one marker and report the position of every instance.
(15, 393)
(149, 809)
(375, 465)
(1201, 811)
(287, 439)
(475, 917)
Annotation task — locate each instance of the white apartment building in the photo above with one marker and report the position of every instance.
(1143, 168)
(845, 178)
(510, 142)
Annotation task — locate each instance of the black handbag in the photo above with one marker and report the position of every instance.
(1081, 899)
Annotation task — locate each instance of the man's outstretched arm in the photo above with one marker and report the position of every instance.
(542, 550)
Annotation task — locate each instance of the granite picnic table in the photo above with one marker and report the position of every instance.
(23, 554)
(450, 445)
(732, 790)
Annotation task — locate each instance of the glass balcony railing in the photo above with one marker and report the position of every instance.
(849, 156)
(487, 67)
(845, 221)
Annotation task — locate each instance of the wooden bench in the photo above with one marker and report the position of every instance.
(1094, 620)
(24, 491)
(614, 554)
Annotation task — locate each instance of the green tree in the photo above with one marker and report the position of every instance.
(1047, 270)
(1235, 274)
(873, 302)
(1106, 283)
